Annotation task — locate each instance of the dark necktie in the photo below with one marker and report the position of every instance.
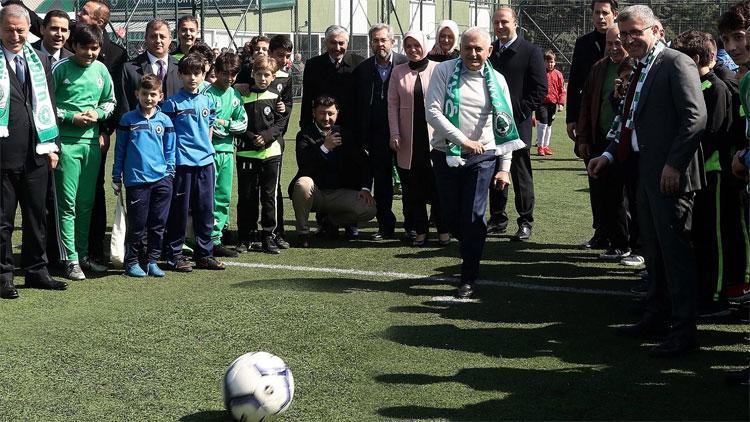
(20, 70)
(52, 59)
(337, 65)
(626, 133)
(162, 71)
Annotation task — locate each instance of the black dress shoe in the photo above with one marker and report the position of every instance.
(523, 234)
(465, 291)
(674, 346)
(597, 242)
(8, 291)
(645, 329)
(381, 235)
(46, 284)
(493, 227)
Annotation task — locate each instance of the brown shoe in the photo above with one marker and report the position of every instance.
(209, 263)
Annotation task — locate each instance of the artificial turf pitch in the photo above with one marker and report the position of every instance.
(370, 346)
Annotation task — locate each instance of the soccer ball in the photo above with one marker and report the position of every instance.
(258, 386)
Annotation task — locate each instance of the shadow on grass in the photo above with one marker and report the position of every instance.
(559, 359)
(208, 416)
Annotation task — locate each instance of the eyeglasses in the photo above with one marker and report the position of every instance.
(634, 33)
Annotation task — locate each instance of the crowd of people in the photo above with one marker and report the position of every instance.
(659, 123)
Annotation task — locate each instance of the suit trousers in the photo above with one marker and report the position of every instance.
(463, 196)
(597, 192)
(381, 163)
(26, 186)
(620, 218)
(341, 206)
(523, 188)
(665, 223)
(193, 191)
(148, 209)
(257, 193)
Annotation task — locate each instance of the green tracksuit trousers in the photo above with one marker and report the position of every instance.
(75, 181)
(224, 163)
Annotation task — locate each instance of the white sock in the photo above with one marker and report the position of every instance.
(541, 129)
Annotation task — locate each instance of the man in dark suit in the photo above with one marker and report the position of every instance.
(155, 60)
(55, 33)
(24, 162)
(668, 116)
(331, 74)
(522, 65)
(333, 175)
(371, 87)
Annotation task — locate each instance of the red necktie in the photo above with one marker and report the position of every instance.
(626, 133)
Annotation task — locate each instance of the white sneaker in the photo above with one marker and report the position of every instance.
(73, 271)
(89, 264)
(633, 261)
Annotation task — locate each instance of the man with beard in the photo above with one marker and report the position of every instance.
(371, 82)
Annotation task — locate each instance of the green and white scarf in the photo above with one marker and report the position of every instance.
(41, 104)
(503, 125)
(616, 131)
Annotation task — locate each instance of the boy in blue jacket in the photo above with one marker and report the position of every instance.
(192, 114)
(145, 163)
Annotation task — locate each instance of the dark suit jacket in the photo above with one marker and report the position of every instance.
(349, 161)
(669, 120)
(22, 139)
(321, 77)
(63, 52)
(364, 82)
(588, 119)
(135, 69)
(589, 49)
(522, 65)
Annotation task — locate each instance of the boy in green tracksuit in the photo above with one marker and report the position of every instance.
(84, 96)
(231, 120)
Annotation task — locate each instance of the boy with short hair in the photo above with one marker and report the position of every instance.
(84, 95)
(231, 120)
(714, 236)
(187, 35)
(192, 114)
(145, 164)
(259, 159)
(280, 49)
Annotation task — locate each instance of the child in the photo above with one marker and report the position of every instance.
(552, 103)
(716, 207)
(84, 97)
(209, 56)
(280, 49)
(145, 162)
(259, 158)
(192, 114)
(231, 120)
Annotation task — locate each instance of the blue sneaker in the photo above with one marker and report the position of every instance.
(154, 270)
(135, 270)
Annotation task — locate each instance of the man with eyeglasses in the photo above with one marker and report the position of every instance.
(663, 116)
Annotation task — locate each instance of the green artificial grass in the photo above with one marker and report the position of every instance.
(370, 347)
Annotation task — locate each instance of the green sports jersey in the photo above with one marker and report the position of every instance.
(230, 109)
(77, 89)
(745, 101)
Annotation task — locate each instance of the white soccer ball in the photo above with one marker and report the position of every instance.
(258, 386)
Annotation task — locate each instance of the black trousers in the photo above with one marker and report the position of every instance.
(419, 189)
(665, 223)
(381, 163)
(98, 225)
(620, 218)
(257, 193)
(523, 188)
(26, 186)
(597, 192)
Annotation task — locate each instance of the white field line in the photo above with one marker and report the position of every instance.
(393, 274)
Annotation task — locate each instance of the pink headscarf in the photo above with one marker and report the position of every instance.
(453, 26)
(419, 37)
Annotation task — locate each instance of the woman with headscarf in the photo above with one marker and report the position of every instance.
(446, 44)
(410, 137)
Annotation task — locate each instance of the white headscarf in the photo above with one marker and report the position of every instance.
(453, 26)
(419, 37)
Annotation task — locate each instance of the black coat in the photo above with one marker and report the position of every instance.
(14, 150)
(522, 65)
(134, 70)
(589, 49)
(364, 78)
(322, 78)
(349, 161)
(63, 52)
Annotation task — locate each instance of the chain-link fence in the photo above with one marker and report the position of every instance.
(551, 24)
